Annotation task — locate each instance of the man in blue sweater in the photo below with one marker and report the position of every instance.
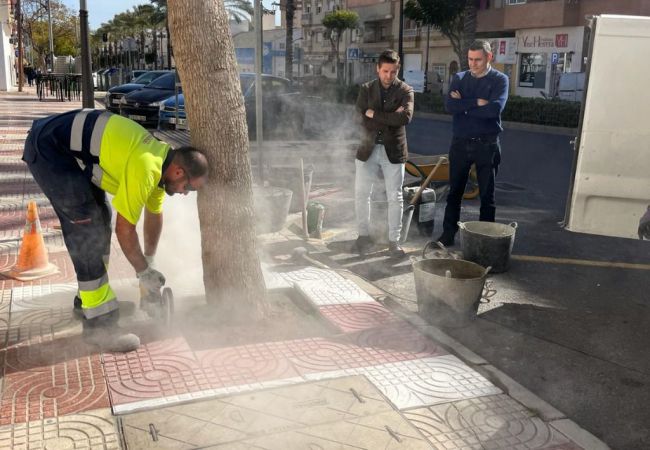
(476, 99)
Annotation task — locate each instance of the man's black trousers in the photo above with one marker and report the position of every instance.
(485, 153)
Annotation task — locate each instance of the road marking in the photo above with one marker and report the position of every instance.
(581, 262)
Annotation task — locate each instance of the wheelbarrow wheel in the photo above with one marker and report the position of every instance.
(471, 188)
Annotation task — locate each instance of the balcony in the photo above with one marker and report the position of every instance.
(535, 14)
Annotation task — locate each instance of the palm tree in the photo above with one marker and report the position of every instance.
(239, 10)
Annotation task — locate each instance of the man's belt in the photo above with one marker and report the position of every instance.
(484, 139)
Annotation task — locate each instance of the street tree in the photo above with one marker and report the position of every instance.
(336, 22)
(36, 28)
(205, 58)
(455, 19)
(290, 11)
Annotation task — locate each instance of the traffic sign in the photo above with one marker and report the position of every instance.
(555, 58)
(353, 54)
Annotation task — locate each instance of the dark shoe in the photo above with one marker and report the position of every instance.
(395, 250)
(76, 309)
(104, 332)
(446, 239)
(362, 244)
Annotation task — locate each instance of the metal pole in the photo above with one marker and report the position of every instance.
(426, 63)
(21, 69)
(87, 89)
(400, 45)
(49, 19)
(258, 87)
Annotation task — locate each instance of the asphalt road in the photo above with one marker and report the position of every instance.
(576, 335)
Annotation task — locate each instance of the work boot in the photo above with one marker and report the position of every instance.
(395, 250)
(362, 244)
(76, 308)
(104, 332)
(446, 239)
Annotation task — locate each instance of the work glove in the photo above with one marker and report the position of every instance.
(150, 260)
(151, 280)
(644, 225)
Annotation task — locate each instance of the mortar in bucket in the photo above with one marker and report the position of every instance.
(488, 243)
(448, 290)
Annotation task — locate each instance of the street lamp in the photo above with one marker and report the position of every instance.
(87, 88)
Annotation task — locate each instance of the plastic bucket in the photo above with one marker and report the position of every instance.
(488, 243)
(448, 290)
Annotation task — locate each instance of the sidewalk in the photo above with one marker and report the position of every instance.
(341, 367)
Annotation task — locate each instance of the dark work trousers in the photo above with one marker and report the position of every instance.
(485, 152)
(81, 206)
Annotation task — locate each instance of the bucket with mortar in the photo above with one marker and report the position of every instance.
(448, 290)
(488, 243)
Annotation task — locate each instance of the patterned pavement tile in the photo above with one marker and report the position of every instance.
(40, 295)
(159, 369)
(70, 386)
(492, 422)
(40, 325)
(416, 383)
(332, 291)
(396, 341)
(357, 316)
(247, 364)
(95, 429)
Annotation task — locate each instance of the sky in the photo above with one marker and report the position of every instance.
(101, 11)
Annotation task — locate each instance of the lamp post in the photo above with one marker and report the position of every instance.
(400, 44)
(87, 89)
(49, 19)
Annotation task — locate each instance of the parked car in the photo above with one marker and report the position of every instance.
(115, 94)
(136, 73)
(281, 103)
(143, 105)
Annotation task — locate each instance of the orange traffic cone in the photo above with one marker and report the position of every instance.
(32, 262)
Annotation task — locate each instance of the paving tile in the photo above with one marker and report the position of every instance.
(39, 325)
(42, 296)
(247, 364)
(491, 422)
(332, 291)
(357, 316)
(328, 412)
(427, 381)
(95, 429)
(274, 280)
(388, 431)
(155, 370)
(67, 387)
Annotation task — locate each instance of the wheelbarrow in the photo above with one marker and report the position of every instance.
(421, 166)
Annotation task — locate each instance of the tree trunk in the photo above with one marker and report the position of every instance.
(290, 9)
(469, 30)
(215, 110)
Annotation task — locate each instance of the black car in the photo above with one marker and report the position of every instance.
(115, 94)
(143, 105)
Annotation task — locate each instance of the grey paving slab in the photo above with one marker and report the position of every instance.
(421, 382)
(492, 422)
(328, 413)
(42, 296)
(88, 430)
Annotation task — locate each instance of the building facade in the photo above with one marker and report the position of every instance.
(534, 41)
(7, 47)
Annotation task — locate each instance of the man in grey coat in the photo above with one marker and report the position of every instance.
(386, 107)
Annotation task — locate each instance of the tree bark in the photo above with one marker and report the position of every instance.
(205, 59)
(290, 10)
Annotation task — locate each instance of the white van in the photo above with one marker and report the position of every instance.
(610, 187)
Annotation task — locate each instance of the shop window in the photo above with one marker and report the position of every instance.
(306, 68)
(532, 70)
(439, 69)
(515, 2)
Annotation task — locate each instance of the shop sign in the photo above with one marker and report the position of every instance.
(504, 50)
